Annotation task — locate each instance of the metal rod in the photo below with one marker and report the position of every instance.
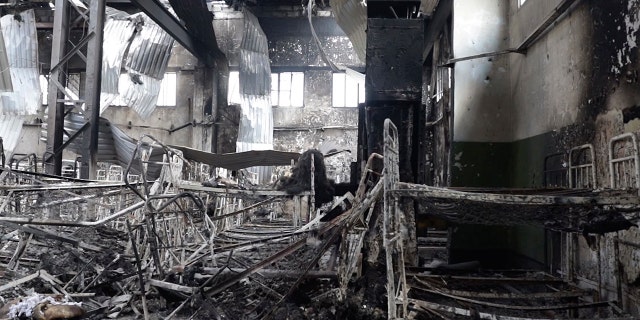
(134, 247)
(49, 222)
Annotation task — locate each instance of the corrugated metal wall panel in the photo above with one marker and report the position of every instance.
(255, 68)
(140, 94)
(351, 16)
(72, 123)
(5, 76)
(21, 42)
(150, 51)
(10, 132)
(20, 38)
(26, 98)
(256, 124)
(117, 35)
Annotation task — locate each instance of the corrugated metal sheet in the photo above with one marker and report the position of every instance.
(125, 146)
(150, 50)
(240, 160)
(21, 43)
(351, 16)
(146, 63)
(140, 92)
(118, 32)
(256, 123)
(5, 76)
(26, 97)
(10, 131)
(114, 145)
(255, 68)
(20, 38)
(72, 123)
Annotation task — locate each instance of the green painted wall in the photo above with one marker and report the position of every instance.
(518, 164)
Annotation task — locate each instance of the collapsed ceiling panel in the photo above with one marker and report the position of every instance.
(21, 44)
(351, 16)
(119, 29)
(146, 61)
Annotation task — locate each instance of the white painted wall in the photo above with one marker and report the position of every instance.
(483, 111)
(549, 84)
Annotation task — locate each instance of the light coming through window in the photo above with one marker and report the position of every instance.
(347, 92)
(287, 89)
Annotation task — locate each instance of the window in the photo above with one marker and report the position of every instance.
(44, 88)
(168, 88)
(521, 3)
(347, 91)
(287, 89)
(233, 91)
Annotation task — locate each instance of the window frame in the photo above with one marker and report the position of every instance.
(277, 90)
(173, 96)
(347, 84)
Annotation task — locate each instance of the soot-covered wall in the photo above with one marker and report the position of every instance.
(292, 49)
(576, 84)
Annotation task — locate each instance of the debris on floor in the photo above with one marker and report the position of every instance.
(134, 245)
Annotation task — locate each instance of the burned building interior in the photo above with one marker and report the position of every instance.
(332, 159)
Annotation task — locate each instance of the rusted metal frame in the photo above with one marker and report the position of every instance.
(76, 199)
(55, 113)
(492, 280)
(28, 157)
(73, 50)
(2, 156)
(92, 88)
(82, 13)
(577, 171)
(422, 191)
(328, 242)
(247, 193)
(516, 307)
(68, 142)
(312, 197)
(50, 222)
(546, 171)
(431, 306)
(23, 243)
(392, 225)
(56, 187)
(143, 294)
(61, 188)
(168, 151)
(50, 235)
(634, 156)
(373, 195)
(349, 259)
(6, 201)
(492, 295)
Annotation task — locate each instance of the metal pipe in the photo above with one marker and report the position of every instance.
(48, 222)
